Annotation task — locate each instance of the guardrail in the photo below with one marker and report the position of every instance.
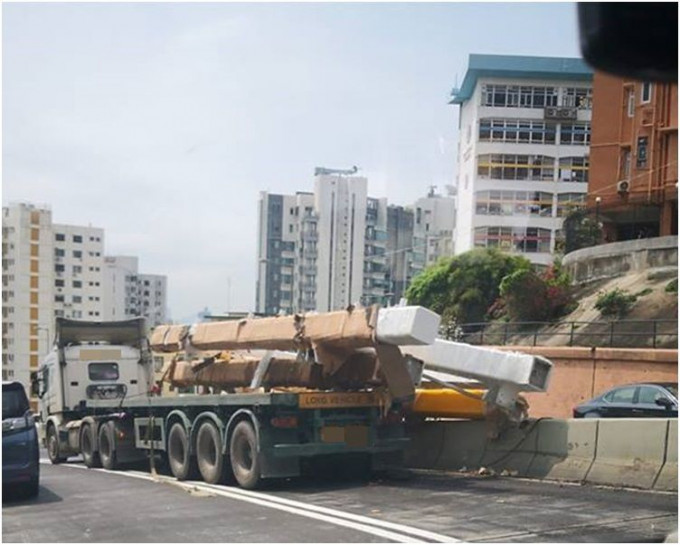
(619, 333)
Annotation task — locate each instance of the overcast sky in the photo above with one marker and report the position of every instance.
(161, 122)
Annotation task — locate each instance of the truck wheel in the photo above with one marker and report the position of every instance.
(243, 454)
(53, 446)
(90, 456)
(107, 446)
(209, 453)
(182, 465)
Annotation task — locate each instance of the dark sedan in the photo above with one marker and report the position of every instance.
(20, 450)
(644, 400)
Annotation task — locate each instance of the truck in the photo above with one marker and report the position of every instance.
(99, 397)
(257, 398)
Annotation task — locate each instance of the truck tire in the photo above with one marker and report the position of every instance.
(182, 464)
(243, 454)
(107, 446)
(53, 450)
(87, 449)
(209, 453)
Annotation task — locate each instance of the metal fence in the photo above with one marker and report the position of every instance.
(619, 333)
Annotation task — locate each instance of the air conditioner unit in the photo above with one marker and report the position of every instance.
(623, 186)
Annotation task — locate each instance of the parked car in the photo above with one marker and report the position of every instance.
(20, 449)
(644, 400)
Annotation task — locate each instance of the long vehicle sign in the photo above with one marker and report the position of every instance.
(321, 400)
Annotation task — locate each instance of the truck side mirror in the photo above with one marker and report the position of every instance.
(35, 384)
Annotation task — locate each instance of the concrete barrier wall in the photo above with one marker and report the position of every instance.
(639, 453)
(619, 258)
(580, 374)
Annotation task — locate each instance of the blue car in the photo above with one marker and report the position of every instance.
(20, 450)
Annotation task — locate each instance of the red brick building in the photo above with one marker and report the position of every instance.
(633, 185)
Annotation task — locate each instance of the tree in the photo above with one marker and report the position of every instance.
(462, 288)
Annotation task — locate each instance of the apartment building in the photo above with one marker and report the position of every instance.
(27, 289)
(128, 294)
(400, 251)
(523, 151)
(433, 228)
(78, 272)
(634, 157)
(51, 270)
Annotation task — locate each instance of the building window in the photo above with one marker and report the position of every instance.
(59, 268)
(574, 169)
(58, 298)
(517, 239)
(516, 167)
(631, 102)
(77, 299)
(61, 237)
(515, 96)
(514, 203)
(646, 94)
(59, 283)
(641, 152)
(566, 202)
(575, 134)
(77, 254)
(625, 164)
(77, 238)
(516, 131)
(77, 269)
(77, 284)
(578, 97)
(59, 252)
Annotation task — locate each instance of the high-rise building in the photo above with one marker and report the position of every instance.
(51, 270)
(433, 227)
(78, 272)
(634, 157)
(128, 294)
(523, 151)
(400, 251)
(27, 289)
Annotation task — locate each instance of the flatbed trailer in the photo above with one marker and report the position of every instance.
(97, 400)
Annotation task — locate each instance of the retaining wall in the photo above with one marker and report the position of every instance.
(630, 452)
(580, 374)
(619, 258)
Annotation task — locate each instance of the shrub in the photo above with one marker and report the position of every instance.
(532, 296)
(616, 302)
(672, 286)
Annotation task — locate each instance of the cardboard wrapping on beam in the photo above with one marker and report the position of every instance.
(359, 371)
(168, 338)
(352, 328)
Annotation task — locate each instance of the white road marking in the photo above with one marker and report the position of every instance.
(380, 528)
(440, 538)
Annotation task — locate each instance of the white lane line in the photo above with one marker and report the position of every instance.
(399, 538)
(440, 538)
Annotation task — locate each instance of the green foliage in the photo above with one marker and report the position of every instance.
(672, 286)
(644, 292)
(462, 288)
(616, 302)
(532, 296)
(581, 230)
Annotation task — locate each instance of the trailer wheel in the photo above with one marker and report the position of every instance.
(243, 454)
(90, 455)
(182, 465)
(53, 446)
(107, 446)
(209, 453)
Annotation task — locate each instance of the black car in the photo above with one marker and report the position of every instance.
(644, 400)
(20, 450)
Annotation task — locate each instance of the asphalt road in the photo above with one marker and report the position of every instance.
(76, 505)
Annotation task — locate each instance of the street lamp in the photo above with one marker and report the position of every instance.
(598, 200)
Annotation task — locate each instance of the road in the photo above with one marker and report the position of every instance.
(77, 504)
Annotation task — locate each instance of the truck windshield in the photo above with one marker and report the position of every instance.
(103, 371)
(14, 401)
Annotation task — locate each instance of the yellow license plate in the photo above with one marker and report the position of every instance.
(353, 436)
(337, 400)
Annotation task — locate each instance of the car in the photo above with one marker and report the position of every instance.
(20, 448)
(643, 400)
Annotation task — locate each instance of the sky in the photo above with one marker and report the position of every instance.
(162, 122)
